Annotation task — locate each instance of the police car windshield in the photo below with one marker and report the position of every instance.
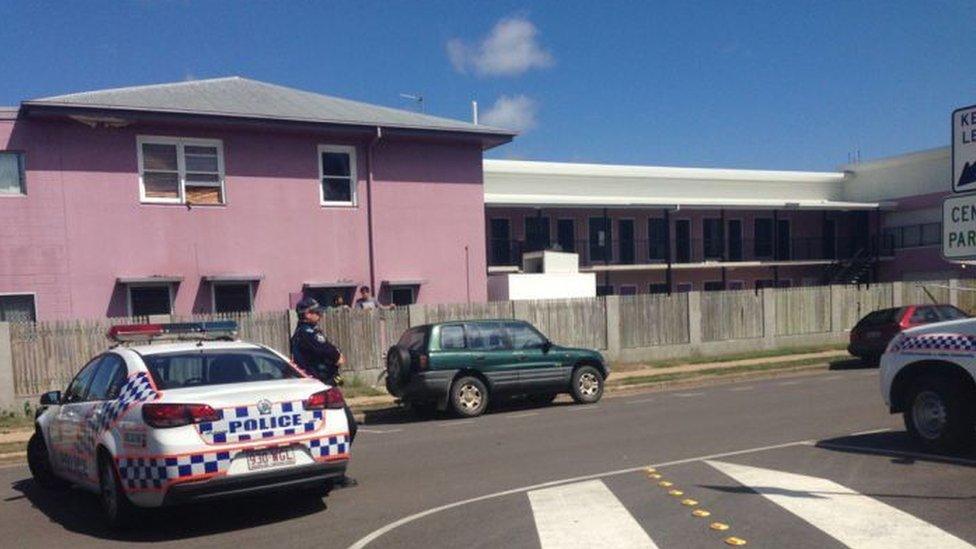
(212, 367)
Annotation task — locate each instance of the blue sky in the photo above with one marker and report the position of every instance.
(723, 84)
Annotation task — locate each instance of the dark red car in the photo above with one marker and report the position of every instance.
(870, 336)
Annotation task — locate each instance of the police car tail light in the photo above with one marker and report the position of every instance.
(177, 415)
(330, 398)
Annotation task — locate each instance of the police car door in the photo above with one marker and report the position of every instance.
(66, 427)
(106, 383)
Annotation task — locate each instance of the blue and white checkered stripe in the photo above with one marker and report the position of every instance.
(218, 432)
(937, 342)
(146, 473)
(329, 446)
(137, 388)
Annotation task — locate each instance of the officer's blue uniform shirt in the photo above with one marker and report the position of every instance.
(314, 353)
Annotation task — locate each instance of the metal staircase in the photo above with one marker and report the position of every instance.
(851, 271)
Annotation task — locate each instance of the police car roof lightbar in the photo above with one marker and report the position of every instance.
(220, 329)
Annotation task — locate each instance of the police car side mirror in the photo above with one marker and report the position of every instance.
(51, 397)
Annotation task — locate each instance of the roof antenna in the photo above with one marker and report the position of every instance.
(415, 97)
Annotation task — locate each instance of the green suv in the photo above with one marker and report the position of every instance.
(461, 365)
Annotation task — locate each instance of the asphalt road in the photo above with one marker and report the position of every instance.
(807, 461)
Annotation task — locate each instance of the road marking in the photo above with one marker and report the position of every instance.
(686, 395)
(378, 431)
(747, 388)
(584, 515)
(641, 401)
(797, 382)
(871, 432)
(379, 532)
(849, 517)
(526, 414)
(455, 422)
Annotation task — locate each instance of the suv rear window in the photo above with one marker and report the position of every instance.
(414, 339)
(877, 318)
(212, 367)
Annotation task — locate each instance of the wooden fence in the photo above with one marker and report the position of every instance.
(652, 320)
(46, 355)
(731, 315)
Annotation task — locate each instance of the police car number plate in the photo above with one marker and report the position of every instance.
(270, 457)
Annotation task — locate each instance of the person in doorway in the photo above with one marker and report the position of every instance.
(339, 302)
(319, 358)
(366, 299)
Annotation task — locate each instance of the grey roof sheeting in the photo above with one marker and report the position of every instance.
(245, 98)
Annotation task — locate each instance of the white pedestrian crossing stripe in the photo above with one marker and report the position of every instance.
(851, 518)
(585, 515)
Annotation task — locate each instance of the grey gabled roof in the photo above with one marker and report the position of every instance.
(245, 98)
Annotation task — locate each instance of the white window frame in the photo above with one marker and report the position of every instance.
(33, 296)
(128, 294)
(23, 181)
(180, 143)
(353, 178)
(250, 294)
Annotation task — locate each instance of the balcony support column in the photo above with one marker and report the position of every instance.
(667, 247)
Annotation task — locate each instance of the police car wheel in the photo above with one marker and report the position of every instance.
(119, 511)
(587, 386)
(469, 397)
(39, 464)
(939, 416)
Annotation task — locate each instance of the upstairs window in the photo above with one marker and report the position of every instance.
(12, 173)
(337, 173)
(181, 170)
(17, 308)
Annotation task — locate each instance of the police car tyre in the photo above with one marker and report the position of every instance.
(119, 511)
(587, 385)
(39, 463)
(469, 396)
(939, 415)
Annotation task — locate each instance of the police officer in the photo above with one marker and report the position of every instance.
(314, 354)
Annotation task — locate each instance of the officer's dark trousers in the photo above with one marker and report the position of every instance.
(353, 427)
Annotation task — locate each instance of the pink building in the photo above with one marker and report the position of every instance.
(232, 194)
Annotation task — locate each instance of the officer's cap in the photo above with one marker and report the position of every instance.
(308, 304)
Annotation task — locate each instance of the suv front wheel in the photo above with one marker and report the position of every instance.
(939, 415)
(587, 385)
(469, 396)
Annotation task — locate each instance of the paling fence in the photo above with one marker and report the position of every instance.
(46, 355)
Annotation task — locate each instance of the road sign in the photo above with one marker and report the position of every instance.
(959, 227)
(964, 149)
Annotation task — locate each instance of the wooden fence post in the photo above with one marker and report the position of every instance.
(769, 314)
(837, 307)
(694, 319)
(896, 293)
(612, 309)
(954, 292)
(7, 396)
(418, 315)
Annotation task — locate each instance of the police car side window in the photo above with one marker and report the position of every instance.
(105, 374)
(78, 388)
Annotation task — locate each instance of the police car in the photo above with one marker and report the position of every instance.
(927, 374)
(185, 412)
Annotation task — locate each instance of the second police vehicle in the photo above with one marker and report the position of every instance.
(185, 412)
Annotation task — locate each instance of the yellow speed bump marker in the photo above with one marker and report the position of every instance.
(650, 470)
(675, 493)
(665, 484)
(701, 513)
(732, 540)
(720, 526)
(654, 476)
(689, 502)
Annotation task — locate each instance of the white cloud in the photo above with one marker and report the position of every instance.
(511, 48)
(512, 113)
